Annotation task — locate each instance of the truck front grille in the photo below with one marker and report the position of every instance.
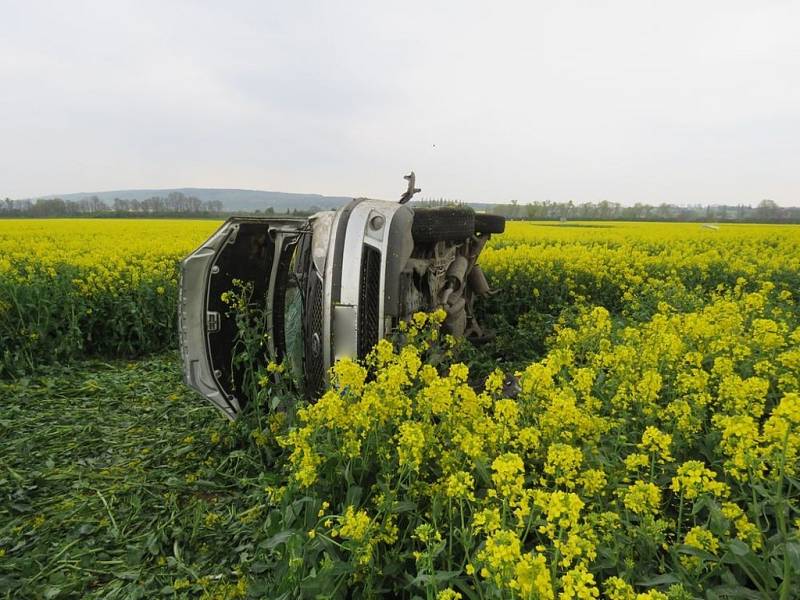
(314, 356)
(369, 300)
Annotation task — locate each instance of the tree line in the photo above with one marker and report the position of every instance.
(177, 204)
(767, 211)
(174, 204)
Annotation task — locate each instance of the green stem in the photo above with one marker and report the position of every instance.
(554, 565)
(781, 516)
(450, 533)
(756, 518)
(652, 466)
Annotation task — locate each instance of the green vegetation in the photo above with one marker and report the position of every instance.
(117, 482)
(652, 452)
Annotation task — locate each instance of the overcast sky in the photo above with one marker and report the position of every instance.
(635, 101)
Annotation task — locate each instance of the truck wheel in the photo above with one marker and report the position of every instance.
(489, 223)
(448, 223)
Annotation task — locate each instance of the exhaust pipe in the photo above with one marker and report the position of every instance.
(477, 281)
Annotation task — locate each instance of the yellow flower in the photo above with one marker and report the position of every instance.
(593, 481)
(561, 509)
(617, 589)
(349, 374)
(273, 367)
(411, 443)
(486, 520)
(702, 539)
(500, 556)
(642, 498)
(694, 479)
(636, 461)
(532, 577)
(459, 485)
(427, 534)
(494, 382)
(562, 464)
(740, 437)
(578, 584)
(355, 525)
(508, 474)
(746, 531)
(781, 433)
(657, 443)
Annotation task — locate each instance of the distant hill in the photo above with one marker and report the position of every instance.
(232, 199)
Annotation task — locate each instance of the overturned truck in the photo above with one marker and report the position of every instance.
(330, 286)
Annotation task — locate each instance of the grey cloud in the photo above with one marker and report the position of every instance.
(629, 101)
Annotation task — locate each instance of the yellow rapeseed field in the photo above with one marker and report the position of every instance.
(632, 434)
(651, 452)
(109, 254)
(69, 287)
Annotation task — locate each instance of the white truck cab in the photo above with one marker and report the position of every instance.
(331, 286)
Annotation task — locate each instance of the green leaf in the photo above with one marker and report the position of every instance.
(51, 591)
(445, 576)
(692, 551)
(258, 567)
(403, 506)
(665, 579)
(732, 592)
(793, 554)
(754, 567)
(739, 548)
(353, 495)
(278, 539)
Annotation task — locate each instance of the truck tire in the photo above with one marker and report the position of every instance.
(447, 223)
(489, 223)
